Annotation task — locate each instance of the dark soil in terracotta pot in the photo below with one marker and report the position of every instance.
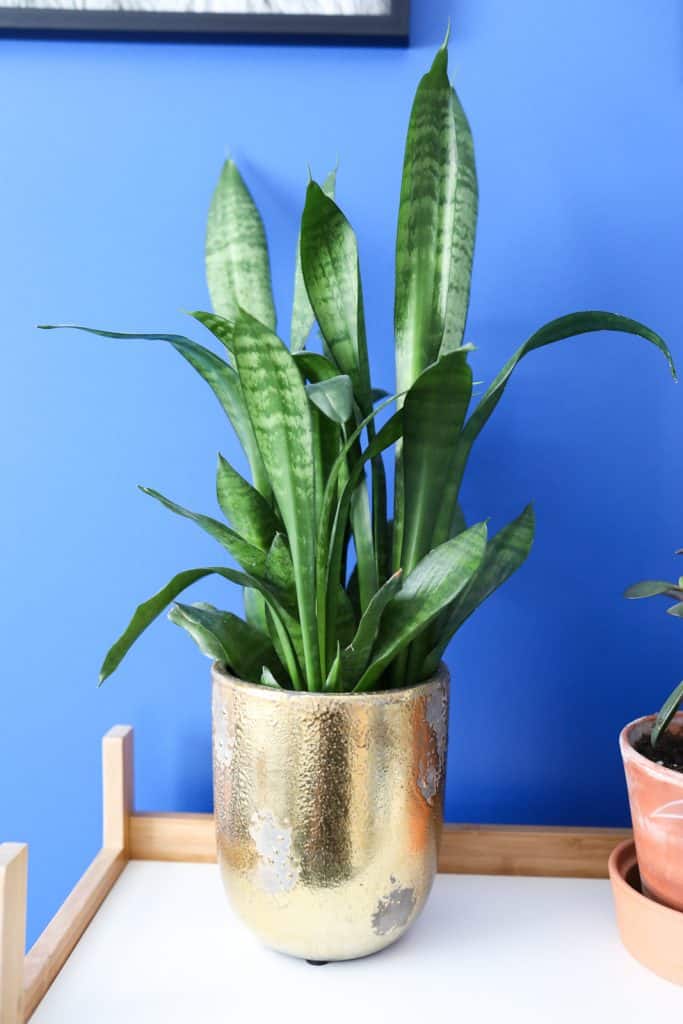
(668, 752)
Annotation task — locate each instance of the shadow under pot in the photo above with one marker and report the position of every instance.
(329, 809)
(656, 797)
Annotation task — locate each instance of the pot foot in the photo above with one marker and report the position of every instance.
(317, 963)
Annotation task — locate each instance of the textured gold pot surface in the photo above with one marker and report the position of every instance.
(328, 811)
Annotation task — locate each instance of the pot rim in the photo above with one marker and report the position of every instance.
(628, 750)
(442, 676)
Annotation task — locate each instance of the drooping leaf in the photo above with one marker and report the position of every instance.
(220, 377)
(329, 260)
(355, 657)
(237, 264)
(149, 610)
(218, 325)
(649, 588)
(666, 715)
(676, 609)
(463, 233)
(433, 414)
(568, 326)
(276, 400)
(426, 222)
(249, 557)
(334, 398)
(204, 638)
(303, 316)
(503, 556)
(243, 507)
(432, 585)
(241, 647)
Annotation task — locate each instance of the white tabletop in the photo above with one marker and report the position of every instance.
(164, 947)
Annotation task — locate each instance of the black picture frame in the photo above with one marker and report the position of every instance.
(385, 29)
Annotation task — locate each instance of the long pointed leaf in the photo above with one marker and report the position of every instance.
(432, 585)
(503, 556)
(220, 377)
(355, 657)
(334, 398)
(249, 557)
(303, 316)
(221, 328)
(424, 239)
(464, 232)
(666, 714)
(243, 506)
(149, 610)
(276, 400)
(237, 265)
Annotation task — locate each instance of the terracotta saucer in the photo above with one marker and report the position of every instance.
(651, 932)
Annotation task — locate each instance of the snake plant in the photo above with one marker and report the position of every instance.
(674, 592)
(308, 423)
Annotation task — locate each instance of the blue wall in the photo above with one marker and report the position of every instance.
(109, 155)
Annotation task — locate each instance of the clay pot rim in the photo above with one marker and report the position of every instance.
(628, 750)
(441, 678)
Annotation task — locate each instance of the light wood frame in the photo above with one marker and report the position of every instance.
(126, 835)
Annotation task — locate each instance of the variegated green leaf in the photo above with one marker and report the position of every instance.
(426, 222)
(237, 265)
(149, 610)
(249, 557)
(503, 556)
(463, 233)
(432, 585)
(356, 655)
(217, 325)
(243, 507)
(303, 316)
(220, 377)
(227, 638)
(334, 398)
(276, 400)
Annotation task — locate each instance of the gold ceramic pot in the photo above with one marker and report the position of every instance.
(328, 811)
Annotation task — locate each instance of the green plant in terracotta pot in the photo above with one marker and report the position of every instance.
(652, 749)
(330, 697)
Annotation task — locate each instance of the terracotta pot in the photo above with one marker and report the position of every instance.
(652, 933)
(656, 797)
(328, 811)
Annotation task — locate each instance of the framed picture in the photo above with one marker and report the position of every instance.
(360, 21)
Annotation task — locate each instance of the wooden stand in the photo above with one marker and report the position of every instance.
(24, 980)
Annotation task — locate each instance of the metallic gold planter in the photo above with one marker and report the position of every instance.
(328, 811)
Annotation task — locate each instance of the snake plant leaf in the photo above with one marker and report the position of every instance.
(237, 264)
(286, 640)
(331, 544)
(463, 233)
(220, 327)
(331, 684)
(278, 407)
(334, 397)
(314, 367)
(504, 554)
(329, 260)
(666, 714)
(432, 585)
(255, 609)
(303, 316)
(244, 508)
(249, 557)
(220, 377)
(268, 679)
(355, 657)
(279, 569)
(433, 415)
(149, 610)
(377, 394)
(228, 639)
(648, 588)
(426, 223)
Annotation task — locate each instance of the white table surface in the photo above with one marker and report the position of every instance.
(164, 947)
